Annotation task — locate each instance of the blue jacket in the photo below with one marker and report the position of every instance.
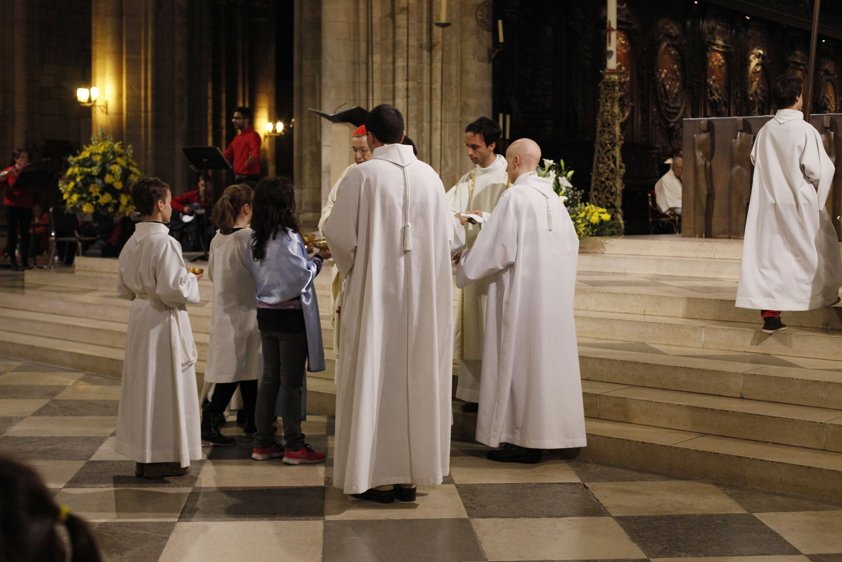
(285, 273)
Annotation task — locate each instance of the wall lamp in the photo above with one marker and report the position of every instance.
(275, 129)
(88, 97)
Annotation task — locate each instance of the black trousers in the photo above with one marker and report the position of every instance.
(19, 221)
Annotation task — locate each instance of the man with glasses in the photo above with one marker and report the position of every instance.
(243, 152)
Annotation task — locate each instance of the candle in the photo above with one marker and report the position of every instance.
(500, 122)
(443, 11)
(508, 122)
(500, 31)
(611, 35)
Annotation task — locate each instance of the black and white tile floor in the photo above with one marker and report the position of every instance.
(233, 508)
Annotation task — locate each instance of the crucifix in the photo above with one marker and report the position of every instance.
(611, 35)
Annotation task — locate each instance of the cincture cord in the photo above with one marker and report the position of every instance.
(407, 226)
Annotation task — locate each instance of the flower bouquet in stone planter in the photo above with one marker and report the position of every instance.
(98, 179)
(589, 219)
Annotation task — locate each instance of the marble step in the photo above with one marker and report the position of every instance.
(665, 246)
(708, 334)
(741, 462)
(755, 420)
(713, 268)
(657, 303)
(805, 382)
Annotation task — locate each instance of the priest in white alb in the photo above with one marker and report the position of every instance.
(791, 257)
(479, 190)
(668, 188)
(390, 233)
(530, 390)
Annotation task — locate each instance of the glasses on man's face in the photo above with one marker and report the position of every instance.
(363, 150)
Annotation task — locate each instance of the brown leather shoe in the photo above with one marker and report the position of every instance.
(164, 470)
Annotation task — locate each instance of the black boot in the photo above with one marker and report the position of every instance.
(210, 431)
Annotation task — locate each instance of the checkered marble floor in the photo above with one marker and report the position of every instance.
(233, 508)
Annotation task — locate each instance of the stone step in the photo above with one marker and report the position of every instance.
(713, 268)
(708, 334)
(664, 246)
(740, 462)
(817, 384)
(755, 420)
(621, 300)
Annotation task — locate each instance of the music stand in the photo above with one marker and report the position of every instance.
(206, 157)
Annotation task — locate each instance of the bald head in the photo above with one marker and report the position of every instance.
(522, 157)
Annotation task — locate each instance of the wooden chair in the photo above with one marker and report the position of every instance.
(659, 219)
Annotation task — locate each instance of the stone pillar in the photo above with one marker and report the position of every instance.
(307, 133)
(107, 64)
(13, 67)
(388, 51)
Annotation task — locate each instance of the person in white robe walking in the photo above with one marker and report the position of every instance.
(158, 417)
(234, 358)
(390, 235)
(479, 189)
(530, 390)
(791, 257)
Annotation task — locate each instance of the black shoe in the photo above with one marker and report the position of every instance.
(513, 453)
(375, 495)
(249, 429)
(405, 494)
(773, 324)
(469, 407)
(211, 433)
(241, 417)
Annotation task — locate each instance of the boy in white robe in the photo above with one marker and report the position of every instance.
(530, 390)
(791, 255)
(158, 418)
(668, 188)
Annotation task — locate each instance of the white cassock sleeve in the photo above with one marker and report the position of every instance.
(495, 248)
(340, 228)
(175, 286)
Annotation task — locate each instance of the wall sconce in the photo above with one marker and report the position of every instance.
(275, 129)
(88, 97)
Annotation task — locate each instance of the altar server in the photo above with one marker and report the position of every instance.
(791, 255)
(530, 390)
(158, 419)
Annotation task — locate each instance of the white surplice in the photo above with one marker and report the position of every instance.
(158, 419)
(530, 391)
(668, 192)
(234, 351)
(479, 189)
(393, 386)
(791, 255)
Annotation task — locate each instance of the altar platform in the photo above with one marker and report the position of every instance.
(676, 380)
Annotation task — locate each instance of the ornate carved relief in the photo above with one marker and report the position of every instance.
(797, 62)
(826, 100)
(757, 79)
(717, 101)
(741, 171)
(669, 73)
(624, 65)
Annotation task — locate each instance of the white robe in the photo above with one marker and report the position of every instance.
(158, 419)
(469, 318)
(336, 279)
(668, 192)
(234, 351)
(531, 391)
(791, 255)
(393, 385)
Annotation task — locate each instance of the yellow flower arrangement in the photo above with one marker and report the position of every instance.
(588, 219)
(97, 179)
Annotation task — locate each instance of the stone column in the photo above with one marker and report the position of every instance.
(107, 64)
